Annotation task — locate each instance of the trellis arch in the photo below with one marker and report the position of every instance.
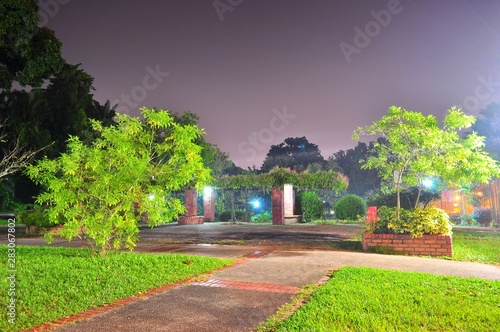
(274, 180)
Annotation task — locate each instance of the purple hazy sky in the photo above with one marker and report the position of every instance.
(259, 71)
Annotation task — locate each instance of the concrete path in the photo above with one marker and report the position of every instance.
(244, 295)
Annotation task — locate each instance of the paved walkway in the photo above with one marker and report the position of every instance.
(244, 295)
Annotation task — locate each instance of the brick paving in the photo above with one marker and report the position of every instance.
(248, 286)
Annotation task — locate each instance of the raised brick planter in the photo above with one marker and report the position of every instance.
(193, 220)
(432, 245)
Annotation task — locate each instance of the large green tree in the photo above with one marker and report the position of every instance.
(92, 189)
(414, 147)
(29, 54)
(296, 153)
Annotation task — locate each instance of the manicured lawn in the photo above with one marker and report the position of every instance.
(56, 282)
(365, 299)
(473, 246)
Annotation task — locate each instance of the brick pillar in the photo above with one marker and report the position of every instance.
(190, 202)
(289, 198)
(209, 204)
(278, 206)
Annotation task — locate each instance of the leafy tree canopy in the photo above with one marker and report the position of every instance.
(277, 177)
(92, 189)
(29, 54)
(296, 153)
(414, 147)
(361, 181)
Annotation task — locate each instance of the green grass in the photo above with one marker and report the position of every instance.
(365, 299)
(473, 246)
(56, 282)
(335, 221)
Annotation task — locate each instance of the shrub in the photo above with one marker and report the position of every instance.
(468, 219)
(408, 198)
(350, 207)
(428, 220)
(238, 215)
(483, 216)
(311, 205)
(36, 216)
(264, 216)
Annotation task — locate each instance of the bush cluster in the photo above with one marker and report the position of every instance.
(264, 216)
(311, 206)
(428, 220)
(36, 216)
(350, 207)
(483, 216)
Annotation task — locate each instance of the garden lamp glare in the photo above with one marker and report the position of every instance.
(256, 203)
(428, 183)
(207, 191)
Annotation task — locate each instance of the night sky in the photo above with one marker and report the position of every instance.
(258, 71)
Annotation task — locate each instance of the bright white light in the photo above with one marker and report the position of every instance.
(256, 204)
(428, 183)
(151, 197)
(207, 191)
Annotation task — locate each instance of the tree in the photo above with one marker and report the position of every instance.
(213, 158)
(92, 189)
(361, 181)
(488, 125)
(414, 147)
(294, 153)
(29, 54)
(14, 155)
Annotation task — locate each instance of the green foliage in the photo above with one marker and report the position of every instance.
(226, 215)
(58, 282)
(280, 176)
(93, 188)
(296, 153)
(361, 181)
(464, 219)
(29, 53)
(412, 146)
(264, 216)
(420, 221)
(408, 198)
(350, 207)
(311, 206)
(483, 216)
(366, 299)
(35, 215)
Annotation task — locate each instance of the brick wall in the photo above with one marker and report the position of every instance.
(190, 202)
(432, 245)
(278, 206)
(209, 206)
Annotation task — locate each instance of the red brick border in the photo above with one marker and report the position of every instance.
(432, 245)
